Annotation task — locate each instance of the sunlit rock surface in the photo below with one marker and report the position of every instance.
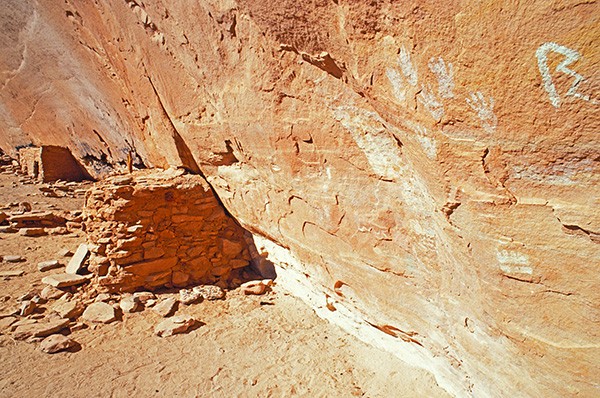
(426, 173)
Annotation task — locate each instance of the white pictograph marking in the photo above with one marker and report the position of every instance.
(570, 57)
(407, 67)
(431, 103)
(445, 75)
(485, 111)
(397, 84)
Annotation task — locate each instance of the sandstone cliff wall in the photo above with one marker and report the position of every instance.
(429, 171)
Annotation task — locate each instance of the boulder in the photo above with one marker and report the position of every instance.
(32, 232)
(143, 297)
(11, 273)
(256, 287)
(13, 258)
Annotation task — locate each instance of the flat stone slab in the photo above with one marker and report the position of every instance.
(57, 343)
(76, 262)
(11, 273)
(64, 280)
(41, 329)
(100, 312)
(174, 325)
(13, 259)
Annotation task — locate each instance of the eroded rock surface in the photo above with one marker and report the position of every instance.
(427, 171)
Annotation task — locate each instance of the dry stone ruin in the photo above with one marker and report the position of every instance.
(156, 229)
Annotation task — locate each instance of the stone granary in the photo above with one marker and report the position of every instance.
(50, 163)
(161, 229)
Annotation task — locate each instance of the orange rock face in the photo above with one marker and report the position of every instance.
(440, 161)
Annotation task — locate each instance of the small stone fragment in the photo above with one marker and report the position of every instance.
(174, 325)
(13, 259)
(7, 229)
(76, 263)
(129, 304)
(65, 253)
(27, 308)
(166, 307)
(188, 297)
(100, 313)
(256, 287)
(150, 303)
(56, 343)
(64, 280)
(51, 293)
(24, 207)
(210, 292)
(48, 265)
(77, 326)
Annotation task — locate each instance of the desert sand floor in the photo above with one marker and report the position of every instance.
(245, 346)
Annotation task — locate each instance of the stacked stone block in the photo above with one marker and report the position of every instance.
(155, 229)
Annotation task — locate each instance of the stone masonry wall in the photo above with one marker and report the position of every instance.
(51, 163)
(160, 229)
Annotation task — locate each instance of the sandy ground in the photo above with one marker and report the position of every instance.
(245, 346)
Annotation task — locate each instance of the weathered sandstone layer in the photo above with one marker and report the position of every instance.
(427, 172)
